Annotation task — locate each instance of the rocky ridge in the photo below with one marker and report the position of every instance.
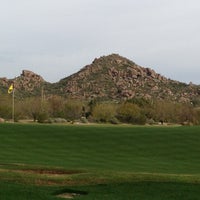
(27, 83)
(111, 77)
(115, 77)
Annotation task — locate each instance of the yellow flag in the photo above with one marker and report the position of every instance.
(10, 89)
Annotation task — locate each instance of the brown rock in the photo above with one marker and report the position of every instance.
(2, 120)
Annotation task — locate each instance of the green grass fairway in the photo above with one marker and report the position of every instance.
(99, 162)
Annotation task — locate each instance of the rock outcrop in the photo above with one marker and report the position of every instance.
(25, 84)
(110, 77)
(117, 78)
(28, 81)
(2, 120)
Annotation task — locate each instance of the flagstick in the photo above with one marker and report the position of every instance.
(13, 105)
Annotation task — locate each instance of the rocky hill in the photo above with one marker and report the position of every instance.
(27, 84)
(110, 77)
(115, 77)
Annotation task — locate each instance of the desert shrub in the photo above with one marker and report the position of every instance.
(72, 110)
(130, 113)
(31, 107)
(197, 116)
(6, 107)
(42, 117)
(172, 112)
(56, 106)
(104, 112)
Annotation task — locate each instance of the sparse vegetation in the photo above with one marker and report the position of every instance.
(130, 113)
(104, 112)
(134, 111)
(112, 89)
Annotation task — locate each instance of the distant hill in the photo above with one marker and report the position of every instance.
(111, 77)
(27, 84)
(116, 78)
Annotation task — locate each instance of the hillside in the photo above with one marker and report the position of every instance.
(115, 77)
(27, 84)
(110, 77)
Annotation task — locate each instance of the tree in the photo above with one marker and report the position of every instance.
(6, 106)
(130, 113)
(73, 109)
(56, 106)
(172, 112)
(104, 112)
(32, 107)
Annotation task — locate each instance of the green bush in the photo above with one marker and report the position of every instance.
(104, 112)
(72, 110)
(42, 117)
(130, 113)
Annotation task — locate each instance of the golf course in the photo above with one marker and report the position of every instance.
(97, 162)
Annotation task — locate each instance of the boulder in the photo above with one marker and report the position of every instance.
(2, 120)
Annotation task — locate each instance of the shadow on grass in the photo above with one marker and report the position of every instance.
(137, 191)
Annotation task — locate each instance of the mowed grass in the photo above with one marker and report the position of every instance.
(108, 162)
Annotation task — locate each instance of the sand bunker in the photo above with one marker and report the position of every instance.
(68, 195)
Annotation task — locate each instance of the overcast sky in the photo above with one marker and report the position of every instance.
(56, 38)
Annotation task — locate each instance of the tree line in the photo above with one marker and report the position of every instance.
(134, 111)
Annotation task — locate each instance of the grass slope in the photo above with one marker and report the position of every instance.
(157, 160)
